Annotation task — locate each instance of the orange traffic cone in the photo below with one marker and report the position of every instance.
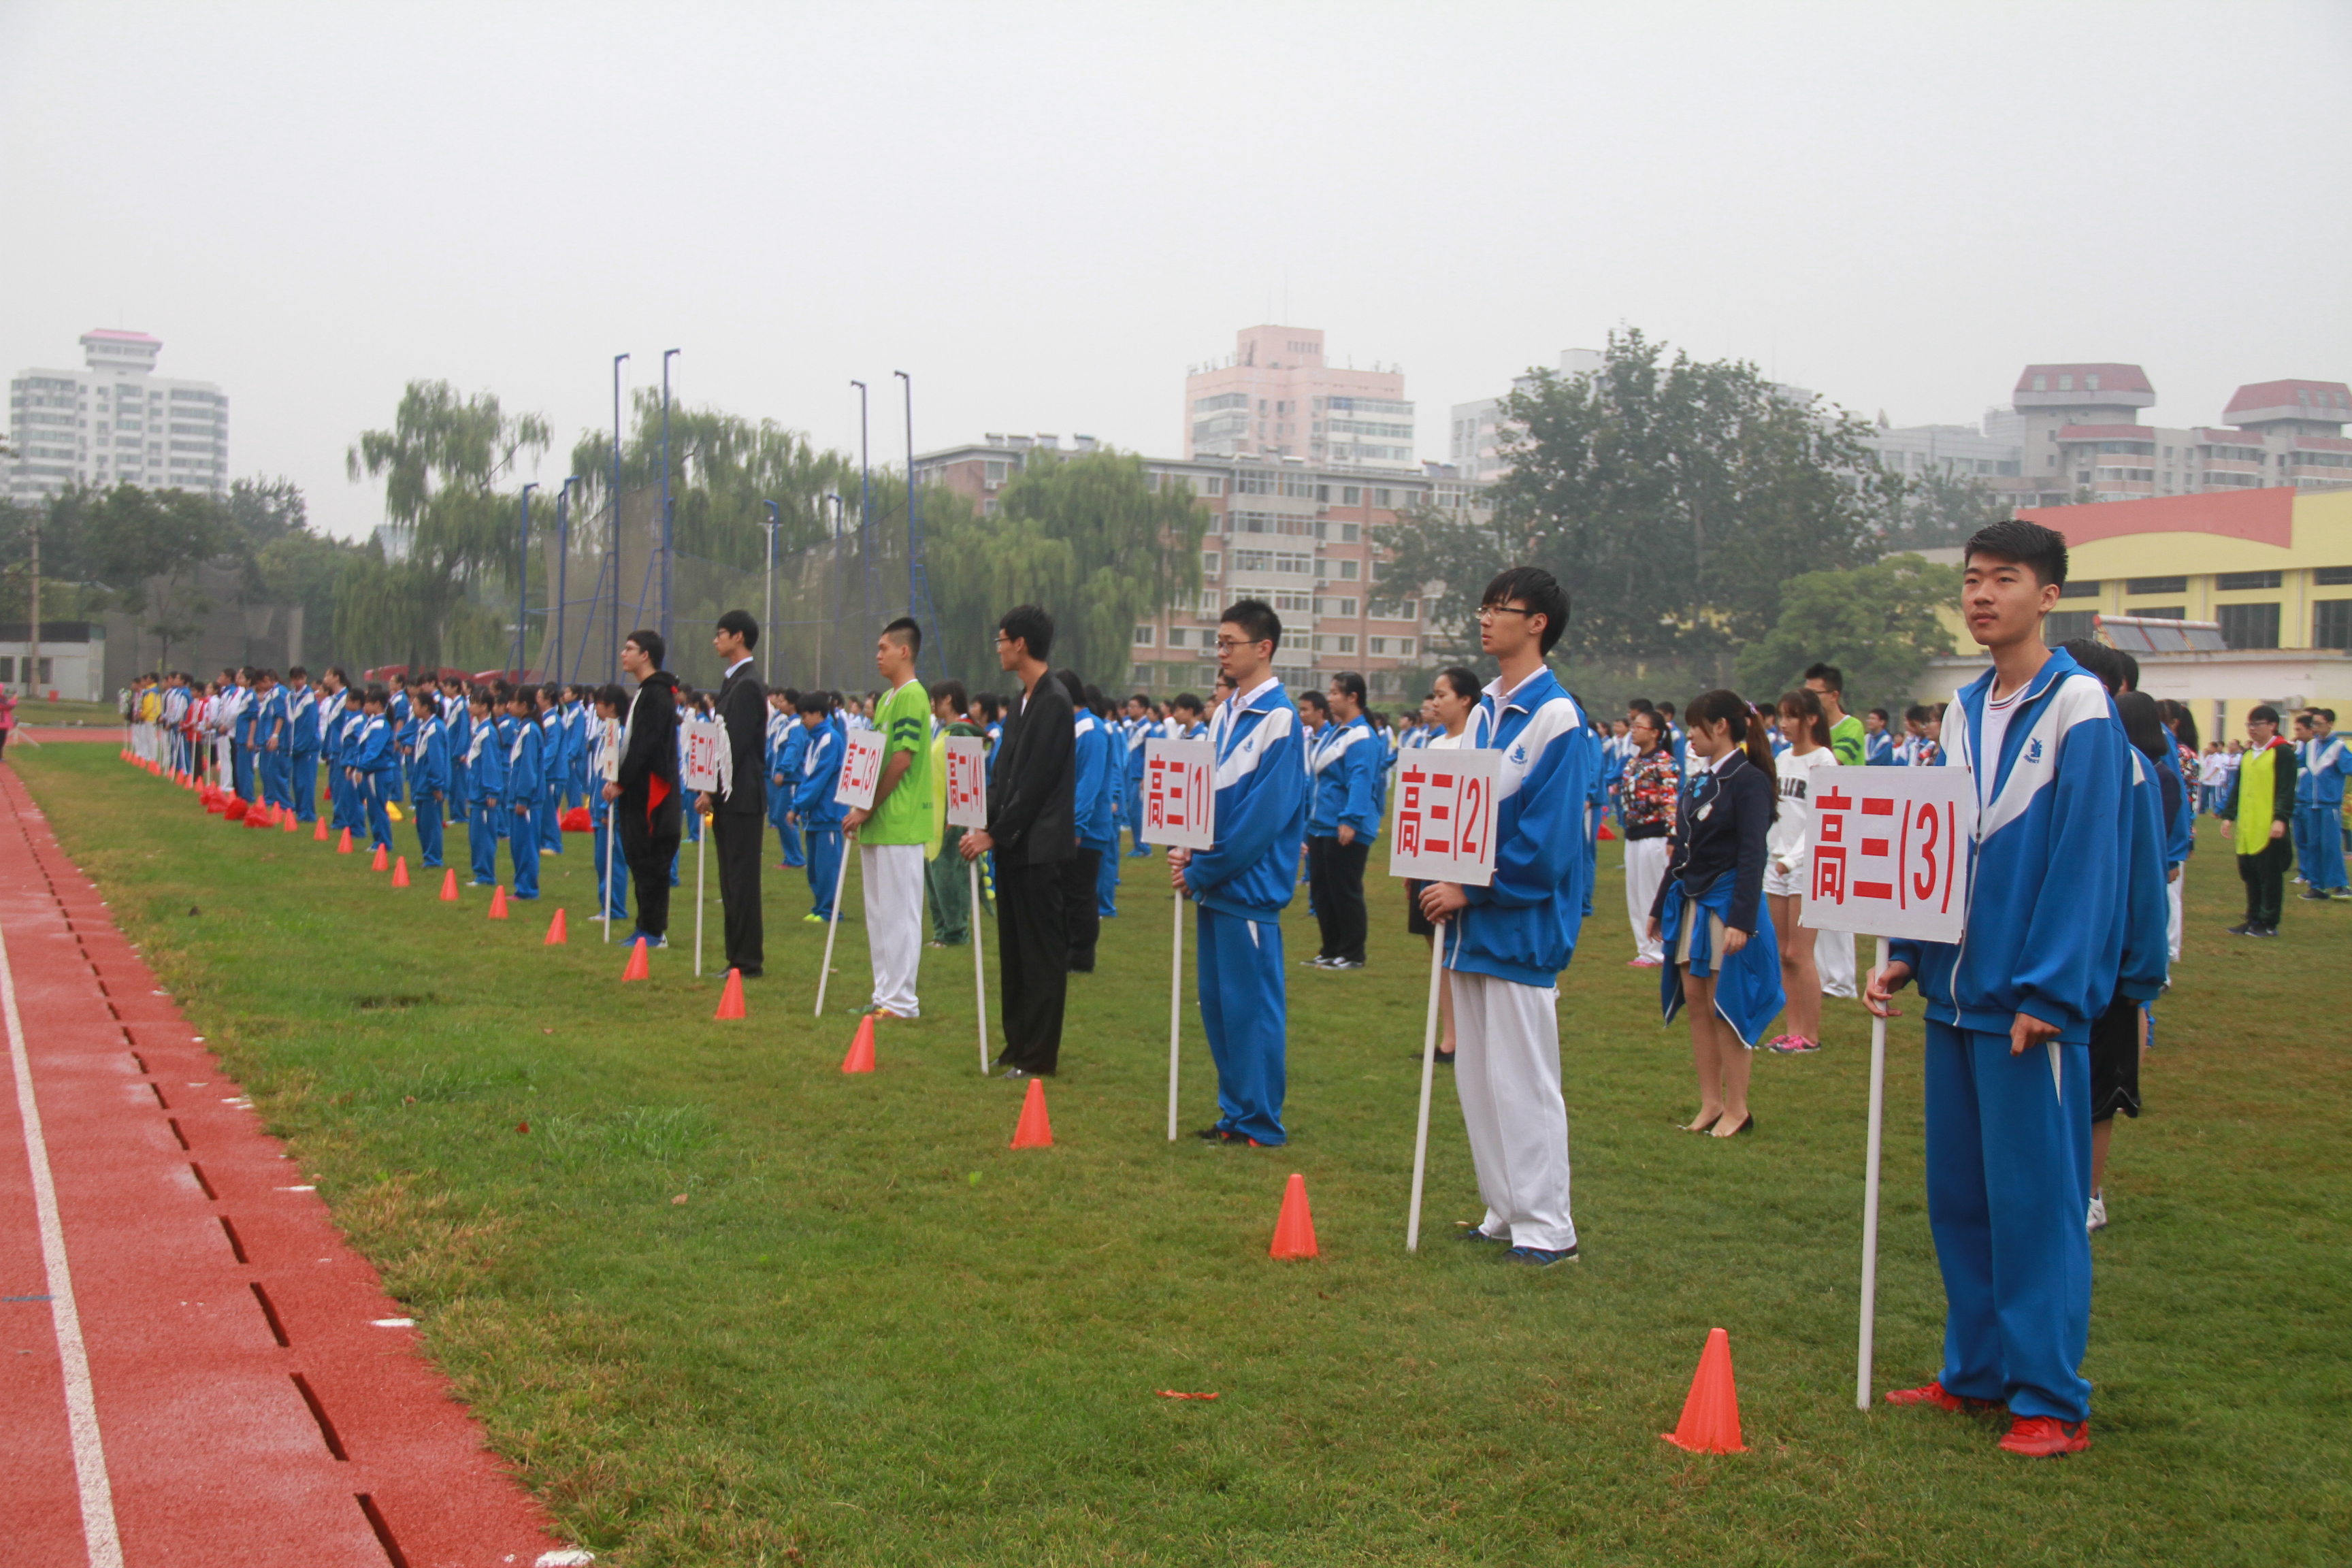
(861, 1047)
(1710, 1423)
(1293, 1230)
(730, 999)
(1035, 1132)
(383, 859)
(343, 845)
(399, 872)
(286, 820)
(555, 937)
(498, 904)
(638, 967)
(319, 834)
(449, 886)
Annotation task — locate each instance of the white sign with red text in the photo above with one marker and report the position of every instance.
(1179, 794)
(861, 770)
(1444, 828)
(705, 737)
(1890, 851)
(967, 782)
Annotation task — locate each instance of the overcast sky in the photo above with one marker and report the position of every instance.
(1046, 213)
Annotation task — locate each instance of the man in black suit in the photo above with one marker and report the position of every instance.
(648, 804)
(739, 818)
(1033, 828)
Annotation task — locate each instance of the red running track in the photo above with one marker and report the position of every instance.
(196, 1368)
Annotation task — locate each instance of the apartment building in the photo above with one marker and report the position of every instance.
(115, 421)
(1278, 397)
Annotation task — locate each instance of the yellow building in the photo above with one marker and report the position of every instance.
(2272, 568)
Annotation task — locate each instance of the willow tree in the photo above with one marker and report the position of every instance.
(453, 532)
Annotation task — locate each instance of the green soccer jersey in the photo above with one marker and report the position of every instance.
(1847, 738)
(903, 816)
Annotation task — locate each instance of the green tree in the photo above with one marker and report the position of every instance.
(1878, 624)
(724, 470)
(1939, 510)
(1086, 537)
(455, 531)
(146, 546)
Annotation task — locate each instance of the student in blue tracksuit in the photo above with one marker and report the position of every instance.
(1090, 807)
(486, 786)
(786, 742)
(335, 710)
(612, 704)
(577, 718)
(242, 740)
(401, 713)
(1878, 740)
(814, 811)
(1243, 881)
(1114, 802)
(1140, 729)
(459, 720)
(428, 780)
(1347, 764)
(1507, 942)
(273, 745)
(373, 767)
(555, 763)
(2327, 763)
(526, 789)
(2009, 1007)
(302, 745)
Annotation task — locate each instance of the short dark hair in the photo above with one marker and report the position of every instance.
(2099, 659)
(742, 625)
(1313, 699)
(2327, 713)
(1881, 714)
(1350, 683)
(1184, 702)
(611, 695)
(1031, 626)
(906, 633)
(2042, 551)
(1256, 619)
(1075, 684)
(293, 672)
(651, 641)
(376, 694)
(811, 702)
(1465, 681)
(791, 694)
(949, 690)
(1539, 592)
(1667, 708)
(2263, 710)
(1829, 675)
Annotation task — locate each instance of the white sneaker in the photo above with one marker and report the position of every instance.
(2098, 1216)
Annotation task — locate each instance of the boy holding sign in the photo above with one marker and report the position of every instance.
(2009, 1127)
(1244, 882)
(893, 833)
(1507, 942)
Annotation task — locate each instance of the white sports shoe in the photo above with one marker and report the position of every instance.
(2098, 1216)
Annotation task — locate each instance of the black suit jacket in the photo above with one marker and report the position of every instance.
(648, 780)
(1031, 809)
(742, 704)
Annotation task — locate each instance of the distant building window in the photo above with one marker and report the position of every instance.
(2066, 384)
(2040, 384)
(2091, 382)
(1144, 636)
(2237, 582)
(1209, 561)
(1216, 486)
(2249, 626)
(2156, 585)
(2331, 624)
(1348, 570)
(2061, 626)
(995, 470)
(2332, 576)
(1351, 495)
(2081, 588)
(1178, 636)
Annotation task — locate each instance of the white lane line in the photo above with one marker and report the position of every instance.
(97, 1527)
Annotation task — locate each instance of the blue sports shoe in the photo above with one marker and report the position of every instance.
(1538, 1257)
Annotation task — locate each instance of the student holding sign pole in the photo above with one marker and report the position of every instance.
(893, 832)
(2009, 1006)
(647, 792)
(1032, 831)
(1246, 879)
(1506, 944)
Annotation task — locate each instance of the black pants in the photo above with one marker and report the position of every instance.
(1335, 876)
(649, 847)
(1082, 907)
(2265, 878)
(1033, 961)
(736, 836)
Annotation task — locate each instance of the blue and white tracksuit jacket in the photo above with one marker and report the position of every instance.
(2327, 762)
(1242, 884)
(1523, 925)
(2065, 910)
(1349, 767)
(820, 758)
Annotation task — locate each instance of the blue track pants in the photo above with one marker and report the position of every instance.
(428, 830)
(2319, 845)
(1245, 1014)
(616, 895)
(305, 785)
(522, 847)
(823, 866)
(482, 841)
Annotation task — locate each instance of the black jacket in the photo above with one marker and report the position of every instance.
(742, 704)
(1720, 826)
(648, 778)
(1031, 814)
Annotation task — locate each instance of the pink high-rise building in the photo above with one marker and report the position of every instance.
(1277, 398)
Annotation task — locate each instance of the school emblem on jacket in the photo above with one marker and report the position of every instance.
(1518, 754)
(2033, 749)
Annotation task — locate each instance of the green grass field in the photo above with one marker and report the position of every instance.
(871, 1334)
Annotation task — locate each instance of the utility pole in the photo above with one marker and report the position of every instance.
(613, 551)
(866, 509)
(523, 587)
(918, 577)
(768, 621)
(32, 608)
(668, 511)
(563, 565)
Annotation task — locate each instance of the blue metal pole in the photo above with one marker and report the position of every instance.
(523, 585)
(768, 624)
(613, 552)
(919, 578)
(668, 354)
(562, 565)
(864, 508)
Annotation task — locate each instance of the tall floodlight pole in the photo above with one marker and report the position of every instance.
(562, 563)
(865, 507)
(768, 624)
(833, 635)
(613, 551)
(919, 578)
(522, 584)
(667, 517)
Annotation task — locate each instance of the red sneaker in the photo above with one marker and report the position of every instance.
(1942, 1399)
(2046, 1436)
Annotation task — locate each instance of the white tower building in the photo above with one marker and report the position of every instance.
(115, 422)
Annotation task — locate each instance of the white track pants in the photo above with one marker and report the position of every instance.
(1645, 868)
(2172, 896)
(893, 877)
(1507, 1072)
(1833, 956)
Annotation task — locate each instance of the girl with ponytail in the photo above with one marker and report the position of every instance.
(1723, 958)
